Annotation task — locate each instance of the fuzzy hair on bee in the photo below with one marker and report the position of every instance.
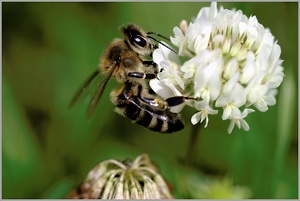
(124, 60)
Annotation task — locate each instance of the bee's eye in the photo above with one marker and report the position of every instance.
(138, 40)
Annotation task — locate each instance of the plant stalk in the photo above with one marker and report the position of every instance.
(191, 149)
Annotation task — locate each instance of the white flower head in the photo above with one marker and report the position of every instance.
(226, 61)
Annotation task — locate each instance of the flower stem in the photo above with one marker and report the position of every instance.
(190, 153)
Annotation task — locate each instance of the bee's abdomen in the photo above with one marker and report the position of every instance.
(166, 123)
(162, 121)
(158, 120)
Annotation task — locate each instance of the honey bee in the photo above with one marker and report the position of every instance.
(124, 59)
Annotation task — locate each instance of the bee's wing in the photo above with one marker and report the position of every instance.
(84, 87)
(98, 93)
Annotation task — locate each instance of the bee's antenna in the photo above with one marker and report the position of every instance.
(163, 44)
(155, 33)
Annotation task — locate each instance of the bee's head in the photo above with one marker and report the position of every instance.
(137, 39)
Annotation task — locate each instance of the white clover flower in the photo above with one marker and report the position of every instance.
(231, 62)
(112, 179)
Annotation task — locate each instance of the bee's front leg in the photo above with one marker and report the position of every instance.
(149, 63)
(147, 76)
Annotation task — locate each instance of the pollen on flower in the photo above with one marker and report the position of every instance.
(226, 60)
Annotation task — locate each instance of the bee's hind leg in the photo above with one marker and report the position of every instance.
(169, 102)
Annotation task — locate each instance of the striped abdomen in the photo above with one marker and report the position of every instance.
(151, 117)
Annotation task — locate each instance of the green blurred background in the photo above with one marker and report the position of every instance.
(48, 50)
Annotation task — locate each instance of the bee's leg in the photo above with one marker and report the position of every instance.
(149, 63)
(142, 75)
(148, 75)
(155, 102)
(177, 100)
(169, 102)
